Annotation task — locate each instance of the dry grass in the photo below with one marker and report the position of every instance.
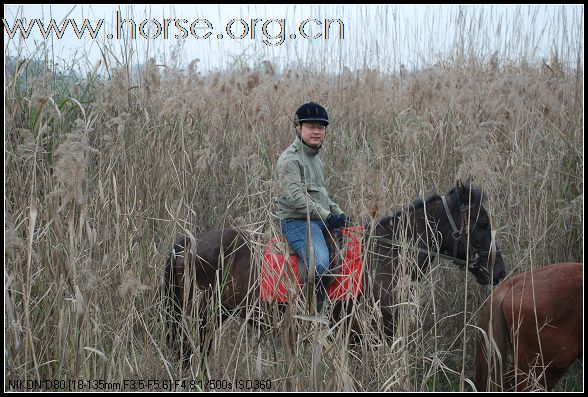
(98, 186)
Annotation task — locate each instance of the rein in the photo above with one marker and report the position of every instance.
(420, 250)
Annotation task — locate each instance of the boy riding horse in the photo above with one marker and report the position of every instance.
(304, 206)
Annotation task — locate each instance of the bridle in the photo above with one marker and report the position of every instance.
(463, 234)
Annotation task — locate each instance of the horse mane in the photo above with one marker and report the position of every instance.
(478, 198)
(416, 205)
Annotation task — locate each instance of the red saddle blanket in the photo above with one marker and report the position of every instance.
(279, 281)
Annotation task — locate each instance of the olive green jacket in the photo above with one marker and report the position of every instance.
(301, 184)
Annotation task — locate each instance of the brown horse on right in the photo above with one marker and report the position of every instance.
(535, 318)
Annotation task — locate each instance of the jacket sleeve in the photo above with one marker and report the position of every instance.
(335, 209)
(293, 191)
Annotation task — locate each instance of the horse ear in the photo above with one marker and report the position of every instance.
(462, 191)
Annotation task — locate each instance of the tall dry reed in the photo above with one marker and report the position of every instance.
(102, 175)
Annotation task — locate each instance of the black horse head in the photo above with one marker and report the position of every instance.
(462, 233)
(468, 236)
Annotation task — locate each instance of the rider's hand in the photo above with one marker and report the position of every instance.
(345, 219)
(332, 220)
(335, 221)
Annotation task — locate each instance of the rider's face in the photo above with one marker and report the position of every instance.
(313, 133)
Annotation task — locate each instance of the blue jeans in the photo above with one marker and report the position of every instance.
(294, 231)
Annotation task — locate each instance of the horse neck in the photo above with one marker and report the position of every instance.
(406, 225)
(410, 223)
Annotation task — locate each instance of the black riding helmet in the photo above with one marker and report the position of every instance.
(311, 111)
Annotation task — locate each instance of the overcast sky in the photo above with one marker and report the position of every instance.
(353, 36)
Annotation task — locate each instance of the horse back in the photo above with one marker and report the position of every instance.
(216, 258)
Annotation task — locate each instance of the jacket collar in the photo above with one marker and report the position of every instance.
(309, 151)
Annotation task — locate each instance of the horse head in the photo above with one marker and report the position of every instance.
(468, 236)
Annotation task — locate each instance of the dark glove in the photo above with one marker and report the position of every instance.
(334, 221)
(346, 220)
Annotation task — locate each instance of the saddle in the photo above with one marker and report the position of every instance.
(283, 273)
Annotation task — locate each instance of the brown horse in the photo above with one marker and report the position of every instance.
(220, 267)
(536, 318)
